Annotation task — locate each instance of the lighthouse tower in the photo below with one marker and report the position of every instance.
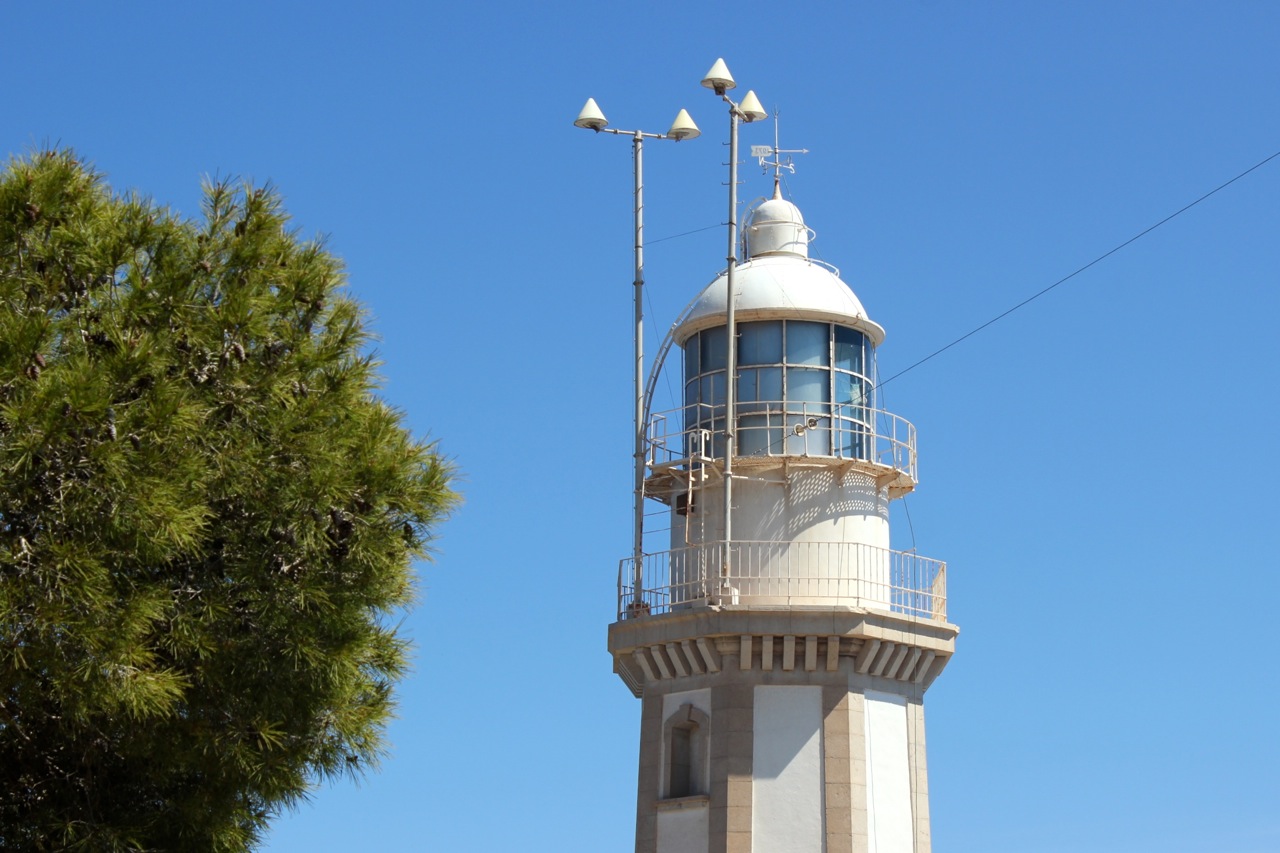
(780, 647)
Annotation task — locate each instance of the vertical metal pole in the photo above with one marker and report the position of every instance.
(731, 335)
(637, 146)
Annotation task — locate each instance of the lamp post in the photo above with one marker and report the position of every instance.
(720, 81)
(591, 118)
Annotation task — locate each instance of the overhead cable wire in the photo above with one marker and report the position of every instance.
(1095, 261)
(687, 233)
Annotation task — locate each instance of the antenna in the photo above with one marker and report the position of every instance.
(764, 152)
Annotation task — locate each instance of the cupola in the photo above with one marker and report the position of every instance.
(777, 228)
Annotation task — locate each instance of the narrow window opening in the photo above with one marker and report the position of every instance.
(680, 783)
(687, 503)
(685, 766)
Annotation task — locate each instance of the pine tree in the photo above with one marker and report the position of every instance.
(207, 517)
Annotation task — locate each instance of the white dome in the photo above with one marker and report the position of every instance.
(780, 286)
(776, 227)
(779, 281)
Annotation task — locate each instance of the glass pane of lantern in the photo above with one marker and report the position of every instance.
(712, 394)
(712, 349)
(849, 396)
(753, 431)
(850, 350)
(748, 381)
(808, 343)
(760, 343)
(806, 385)
(770, 385)
(691, 358)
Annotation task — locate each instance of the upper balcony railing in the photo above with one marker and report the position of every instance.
(807, 574)
(775, 429)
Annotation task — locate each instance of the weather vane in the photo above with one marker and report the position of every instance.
(764, 152)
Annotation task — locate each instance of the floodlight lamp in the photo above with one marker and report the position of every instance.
(683, 127)
(718, 78)
(751, 109)
(591, 118)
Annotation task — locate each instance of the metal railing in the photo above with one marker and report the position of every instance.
(791, 573)
(775, 428)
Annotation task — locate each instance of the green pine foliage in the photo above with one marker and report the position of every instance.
(207, 518)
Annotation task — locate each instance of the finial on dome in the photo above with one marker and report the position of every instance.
(764, 152)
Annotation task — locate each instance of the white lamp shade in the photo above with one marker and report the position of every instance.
(751, 109)
(719, 78)
(591, 118)
(683, 127)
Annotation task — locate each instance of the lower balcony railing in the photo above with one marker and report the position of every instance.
(815, 574)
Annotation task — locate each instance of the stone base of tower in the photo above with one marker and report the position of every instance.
(784, 729)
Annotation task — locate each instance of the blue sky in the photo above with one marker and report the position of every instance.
(1098, 469)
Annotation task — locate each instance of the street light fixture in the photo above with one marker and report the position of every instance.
(720, 81)
(592, 118)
